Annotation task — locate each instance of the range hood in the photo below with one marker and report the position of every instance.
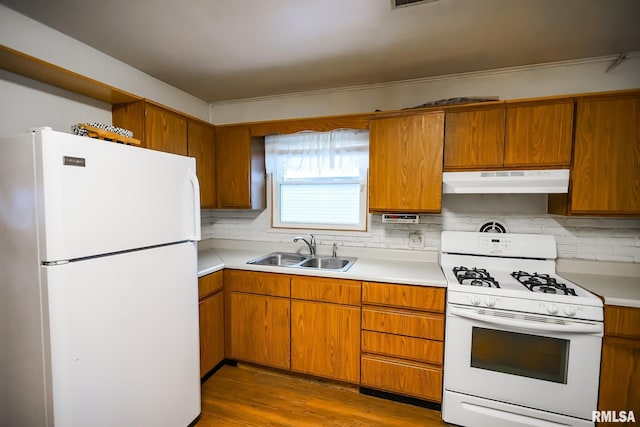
(517, 181)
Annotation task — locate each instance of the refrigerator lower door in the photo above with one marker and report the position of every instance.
(124, 339)
(97, 197)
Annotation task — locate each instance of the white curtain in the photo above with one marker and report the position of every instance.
(337, 153)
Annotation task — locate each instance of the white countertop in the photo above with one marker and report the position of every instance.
(379, 265)
(617, 283)
(208, 262)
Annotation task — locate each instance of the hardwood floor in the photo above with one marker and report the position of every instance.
(243, 396)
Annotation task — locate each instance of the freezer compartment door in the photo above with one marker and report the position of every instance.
(97, 197)
(124, 339)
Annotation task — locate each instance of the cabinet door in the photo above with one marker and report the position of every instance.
(201, 140)
(325, 340)
(405, 163)
(539, 135)
(619, 374)
(233, 167)
(474, 139)
(165, 130)
(211, 332)
(606, 163)
(259, 329)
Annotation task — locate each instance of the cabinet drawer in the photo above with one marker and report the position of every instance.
(419, 325)
(209, 284)
(621, 321)
(428, 351)
(413, 379)
(405, 296)
(326, 290)
(258, 283)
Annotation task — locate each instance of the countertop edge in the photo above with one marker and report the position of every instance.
(211, 260)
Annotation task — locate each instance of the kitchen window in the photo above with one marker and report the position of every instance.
(319, 179)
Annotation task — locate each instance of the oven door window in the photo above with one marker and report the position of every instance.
(531, 356)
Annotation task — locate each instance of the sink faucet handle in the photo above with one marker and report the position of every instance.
(312, 246)
(335, 249)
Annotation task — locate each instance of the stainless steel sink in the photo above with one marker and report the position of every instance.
(295, 260)
(328, 263)
(279, 259)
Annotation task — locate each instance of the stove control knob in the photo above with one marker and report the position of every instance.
(490, 302)
(475, 300)
(570, 311)
(553, 308)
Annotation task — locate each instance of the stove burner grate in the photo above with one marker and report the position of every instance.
(542, 283)
(475, 277)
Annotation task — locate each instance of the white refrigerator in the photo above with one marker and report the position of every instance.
(98, 284)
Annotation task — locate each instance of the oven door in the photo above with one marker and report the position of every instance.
(540, 362)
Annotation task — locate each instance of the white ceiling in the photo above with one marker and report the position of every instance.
(220, 50)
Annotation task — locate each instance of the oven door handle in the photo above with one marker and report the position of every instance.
(575, 328)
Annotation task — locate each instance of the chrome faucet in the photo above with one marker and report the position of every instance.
(311, 245)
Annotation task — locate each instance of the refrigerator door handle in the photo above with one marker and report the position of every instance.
(193, 179)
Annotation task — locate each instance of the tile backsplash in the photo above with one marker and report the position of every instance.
(589, 238)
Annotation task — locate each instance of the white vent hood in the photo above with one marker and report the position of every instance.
(519, 181)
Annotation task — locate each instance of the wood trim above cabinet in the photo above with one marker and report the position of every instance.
(317, 124)
(46, 72)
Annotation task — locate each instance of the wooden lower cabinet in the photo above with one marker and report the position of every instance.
(325, 327)
(424, 350)
(620, 366)
(211, 312)
(259, 317)
(420, 325)
(325, 340)
(402, 376)
(402, 339)
(260, 329)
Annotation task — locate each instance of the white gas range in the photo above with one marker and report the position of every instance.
(522, 344)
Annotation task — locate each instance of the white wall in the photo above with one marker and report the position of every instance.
(560, 78)
(32, 38)
(26, 103)
(603, 239)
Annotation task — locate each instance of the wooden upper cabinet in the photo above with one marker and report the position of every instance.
(165, 130)
(201, 145)
(156, 127)
(605, 178)
(474, 138)
(539, 135)
(530, 134)
(405, 163)
(240, 169)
